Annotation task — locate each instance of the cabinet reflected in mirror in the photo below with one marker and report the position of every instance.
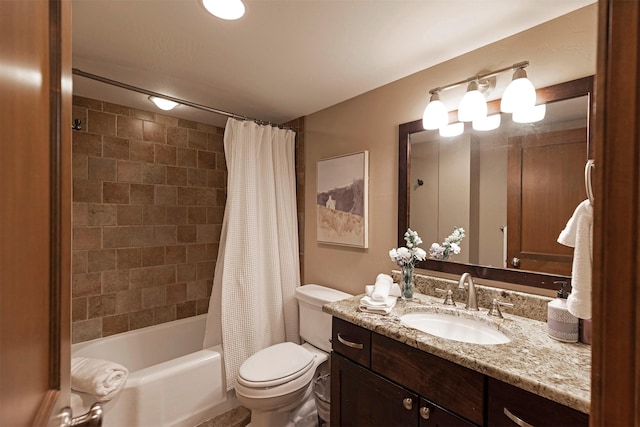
(512, 189)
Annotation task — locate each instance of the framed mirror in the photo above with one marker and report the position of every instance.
(512, 189)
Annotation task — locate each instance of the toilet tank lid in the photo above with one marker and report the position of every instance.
(319, 295)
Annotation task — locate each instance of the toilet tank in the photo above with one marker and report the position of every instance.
(315, 325)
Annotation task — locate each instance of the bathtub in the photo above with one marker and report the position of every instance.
(172, 380)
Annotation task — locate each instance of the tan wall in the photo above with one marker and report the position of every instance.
(559, 50)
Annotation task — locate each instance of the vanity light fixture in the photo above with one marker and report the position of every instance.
(454, 129)
(487, 123)
(530, 115)
(163, 104)
(225, 9)
(520, 94)
(435, 115)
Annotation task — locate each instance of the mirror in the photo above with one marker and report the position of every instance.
(512, 189)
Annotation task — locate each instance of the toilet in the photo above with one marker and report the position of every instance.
(276, 382)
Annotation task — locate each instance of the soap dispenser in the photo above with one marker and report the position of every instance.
(561, 325)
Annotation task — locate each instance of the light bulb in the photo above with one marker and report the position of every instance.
(530, 115)
(435, 114)
(473, 105)
(520, 94)
(487, 123)
(454, 129)
(225, 9)
(163, 104)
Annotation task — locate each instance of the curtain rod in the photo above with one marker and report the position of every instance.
(101, 79)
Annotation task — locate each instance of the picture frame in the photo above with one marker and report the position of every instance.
(342, 200)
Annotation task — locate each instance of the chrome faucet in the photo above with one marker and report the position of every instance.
(472, 302)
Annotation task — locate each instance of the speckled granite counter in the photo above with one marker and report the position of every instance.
(531, 360)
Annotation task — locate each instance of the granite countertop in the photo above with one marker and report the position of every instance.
(533, 361)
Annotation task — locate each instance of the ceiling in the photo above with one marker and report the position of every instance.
(285, 58)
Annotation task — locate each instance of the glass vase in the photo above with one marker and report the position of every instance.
(406, 286)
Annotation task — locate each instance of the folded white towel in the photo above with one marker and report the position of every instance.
(393, 292)
(369, 305)
(382, 287)
(578, 234)
(101, 378)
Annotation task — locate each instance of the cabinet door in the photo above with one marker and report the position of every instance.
(432, 415)
(511, 406)
(361, 398)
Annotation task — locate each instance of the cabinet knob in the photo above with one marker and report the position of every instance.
(515, 262)
(425, 412)
(408, 403)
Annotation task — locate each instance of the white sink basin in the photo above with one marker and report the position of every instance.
(454, 328)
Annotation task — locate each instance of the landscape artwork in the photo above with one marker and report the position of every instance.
(342, 200)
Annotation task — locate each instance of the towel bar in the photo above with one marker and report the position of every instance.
(588, 169)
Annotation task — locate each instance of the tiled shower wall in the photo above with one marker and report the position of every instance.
(148, 202)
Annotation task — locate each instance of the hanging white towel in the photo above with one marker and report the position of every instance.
(101, 378)
(578, 234)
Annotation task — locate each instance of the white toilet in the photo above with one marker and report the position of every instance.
(278, 380)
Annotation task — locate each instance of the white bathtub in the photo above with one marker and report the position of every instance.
(172, 380)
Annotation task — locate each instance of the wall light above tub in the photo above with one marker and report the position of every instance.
(225, 9)
(163, 104)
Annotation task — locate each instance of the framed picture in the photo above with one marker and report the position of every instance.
(342, 200)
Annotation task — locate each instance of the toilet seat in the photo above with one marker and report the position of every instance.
(279, 364)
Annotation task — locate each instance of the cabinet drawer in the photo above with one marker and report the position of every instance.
(451, 386)
(431, 415)
(511, 406)
(351, 341)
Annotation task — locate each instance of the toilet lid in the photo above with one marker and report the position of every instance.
(276, 365)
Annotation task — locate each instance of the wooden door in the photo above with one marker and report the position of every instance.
(536, 216)
(35, 218)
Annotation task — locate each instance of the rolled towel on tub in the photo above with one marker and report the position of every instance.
(101, 378)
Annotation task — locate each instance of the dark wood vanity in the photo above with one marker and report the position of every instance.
(378, 381)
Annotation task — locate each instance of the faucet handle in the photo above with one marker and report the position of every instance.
(495, 308)
(448, 299)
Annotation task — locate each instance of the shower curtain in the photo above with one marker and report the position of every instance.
(257, 269)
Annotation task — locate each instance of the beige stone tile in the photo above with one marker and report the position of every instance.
(101, 305)
(116, 237)
(165, 235)
(196, 290)
(216, 179)
(187, 157)
(177, 176)
(142, 318)
(141, 235)
(154, 174)
(86, 330)
(212, 251)
(196, 252)
(197, 177)
(101, 123)
(79, 262)
(127, 127)
(187, 196)
(129, 302)
(207, 233)
(207, 128)
(187, 272)
(142, 114)
(85, 190)
(101, 260)
(164, 275)
(129, 215)
(221, 197)
(187, 124)
(78, 309)
(205, 270)
(129, 171)
(186, 234)
(207, 196)
(115, 281)
(215, 215)
(81, 101)
(197, 215)
(170, 122)
(129, 258)
(115, 192)
(115, 148)
(185, 309)
(221, 163)
(79, 113)
(101, 169)
(155, 132)
(175, 254)
(215, 142)
(176, 215)
(80, 214)
(165, 154)
(154, 215)
(101, 214)
(80, 166)
(154, 297)
(141, 194)
(202, 306)
(84, 285)
(141, 151)
(165, 195)
(153, 255)
(177, 137)
(197, 139)
(87, 238)
(206, 160)
(112, 325)
(88, 144)
(141, 278)
(115, 108)
(176, 293)
(164, 314)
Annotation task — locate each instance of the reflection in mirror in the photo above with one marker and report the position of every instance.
(512, 189)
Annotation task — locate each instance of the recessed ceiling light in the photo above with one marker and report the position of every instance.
(225, 9)
(163, 104)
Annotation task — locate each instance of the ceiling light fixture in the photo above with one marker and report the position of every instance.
(225, 9)
(454, 129)
(520, 96)
(163, 104)
(530, 115)
(487, 123)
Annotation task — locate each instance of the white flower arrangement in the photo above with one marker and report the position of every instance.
(450, 246)
(409, 255)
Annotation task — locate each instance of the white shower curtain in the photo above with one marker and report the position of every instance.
(257, 269)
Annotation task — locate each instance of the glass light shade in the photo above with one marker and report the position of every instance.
(435, 114)
(454, 129)
(487, 123)
(225, 9)
(473, 105)
(519, 95)
(163, 104)
(530, 115)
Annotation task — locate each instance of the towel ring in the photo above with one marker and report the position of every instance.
(588, 169)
